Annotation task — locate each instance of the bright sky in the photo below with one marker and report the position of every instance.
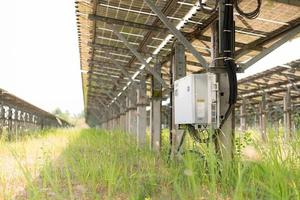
(39, 55)
(287, 52)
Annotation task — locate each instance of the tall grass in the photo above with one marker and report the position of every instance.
(97, 164)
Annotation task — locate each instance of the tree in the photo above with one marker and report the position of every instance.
(64, 115)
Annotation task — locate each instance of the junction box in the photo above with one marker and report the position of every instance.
(196, 100)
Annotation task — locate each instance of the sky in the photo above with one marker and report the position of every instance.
(286, 53)
(39, 54)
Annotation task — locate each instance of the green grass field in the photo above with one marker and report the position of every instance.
(91, 164)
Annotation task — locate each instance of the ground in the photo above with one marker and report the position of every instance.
(96, 164)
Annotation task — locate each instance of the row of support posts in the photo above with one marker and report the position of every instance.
(131, 115)
(14, 121)
(265, 115)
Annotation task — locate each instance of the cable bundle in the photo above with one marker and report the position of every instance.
(249, 15)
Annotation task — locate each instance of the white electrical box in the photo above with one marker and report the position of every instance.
(196, 100)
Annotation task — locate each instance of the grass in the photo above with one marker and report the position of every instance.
(96, 164)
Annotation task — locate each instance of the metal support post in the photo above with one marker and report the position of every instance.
(287, 114)
(141, 112)
(117, 117)
(113, 120)
(109, 119)
(243, 115)
(1, 119)
(10, 123)
(132, 112)
(127, 124)
(224, 141)
(155, 112)
(179, 71)
(123, 114)
(116, 111)
(263, 118)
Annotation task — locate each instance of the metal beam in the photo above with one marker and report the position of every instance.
(286, 37)
(177, 33)
(104, 72)
(126, 23)
(103, 104)
(169, 6)
(110, 96)
(122, 68)
(270, 37)
(119, 50)
(138, 55)
(98, 63)
(289, 2)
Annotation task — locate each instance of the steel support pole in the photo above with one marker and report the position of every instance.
(287, 114)
(10, 123)
(1, 119)
(123, 114)
(263, 118)
(115, 116)
(118, 120)
(123, 121)
(141, 112)
(109, 119)
(127, 124)
(224, 141)
(113, 125)
(155, 111)
(179, 71)
(243, 115)
(132, 113)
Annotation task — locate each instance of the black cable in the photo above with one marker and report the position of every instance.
(196, 134)
(171, 113)
(208, 11)
(228, 37)
(250, 15)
